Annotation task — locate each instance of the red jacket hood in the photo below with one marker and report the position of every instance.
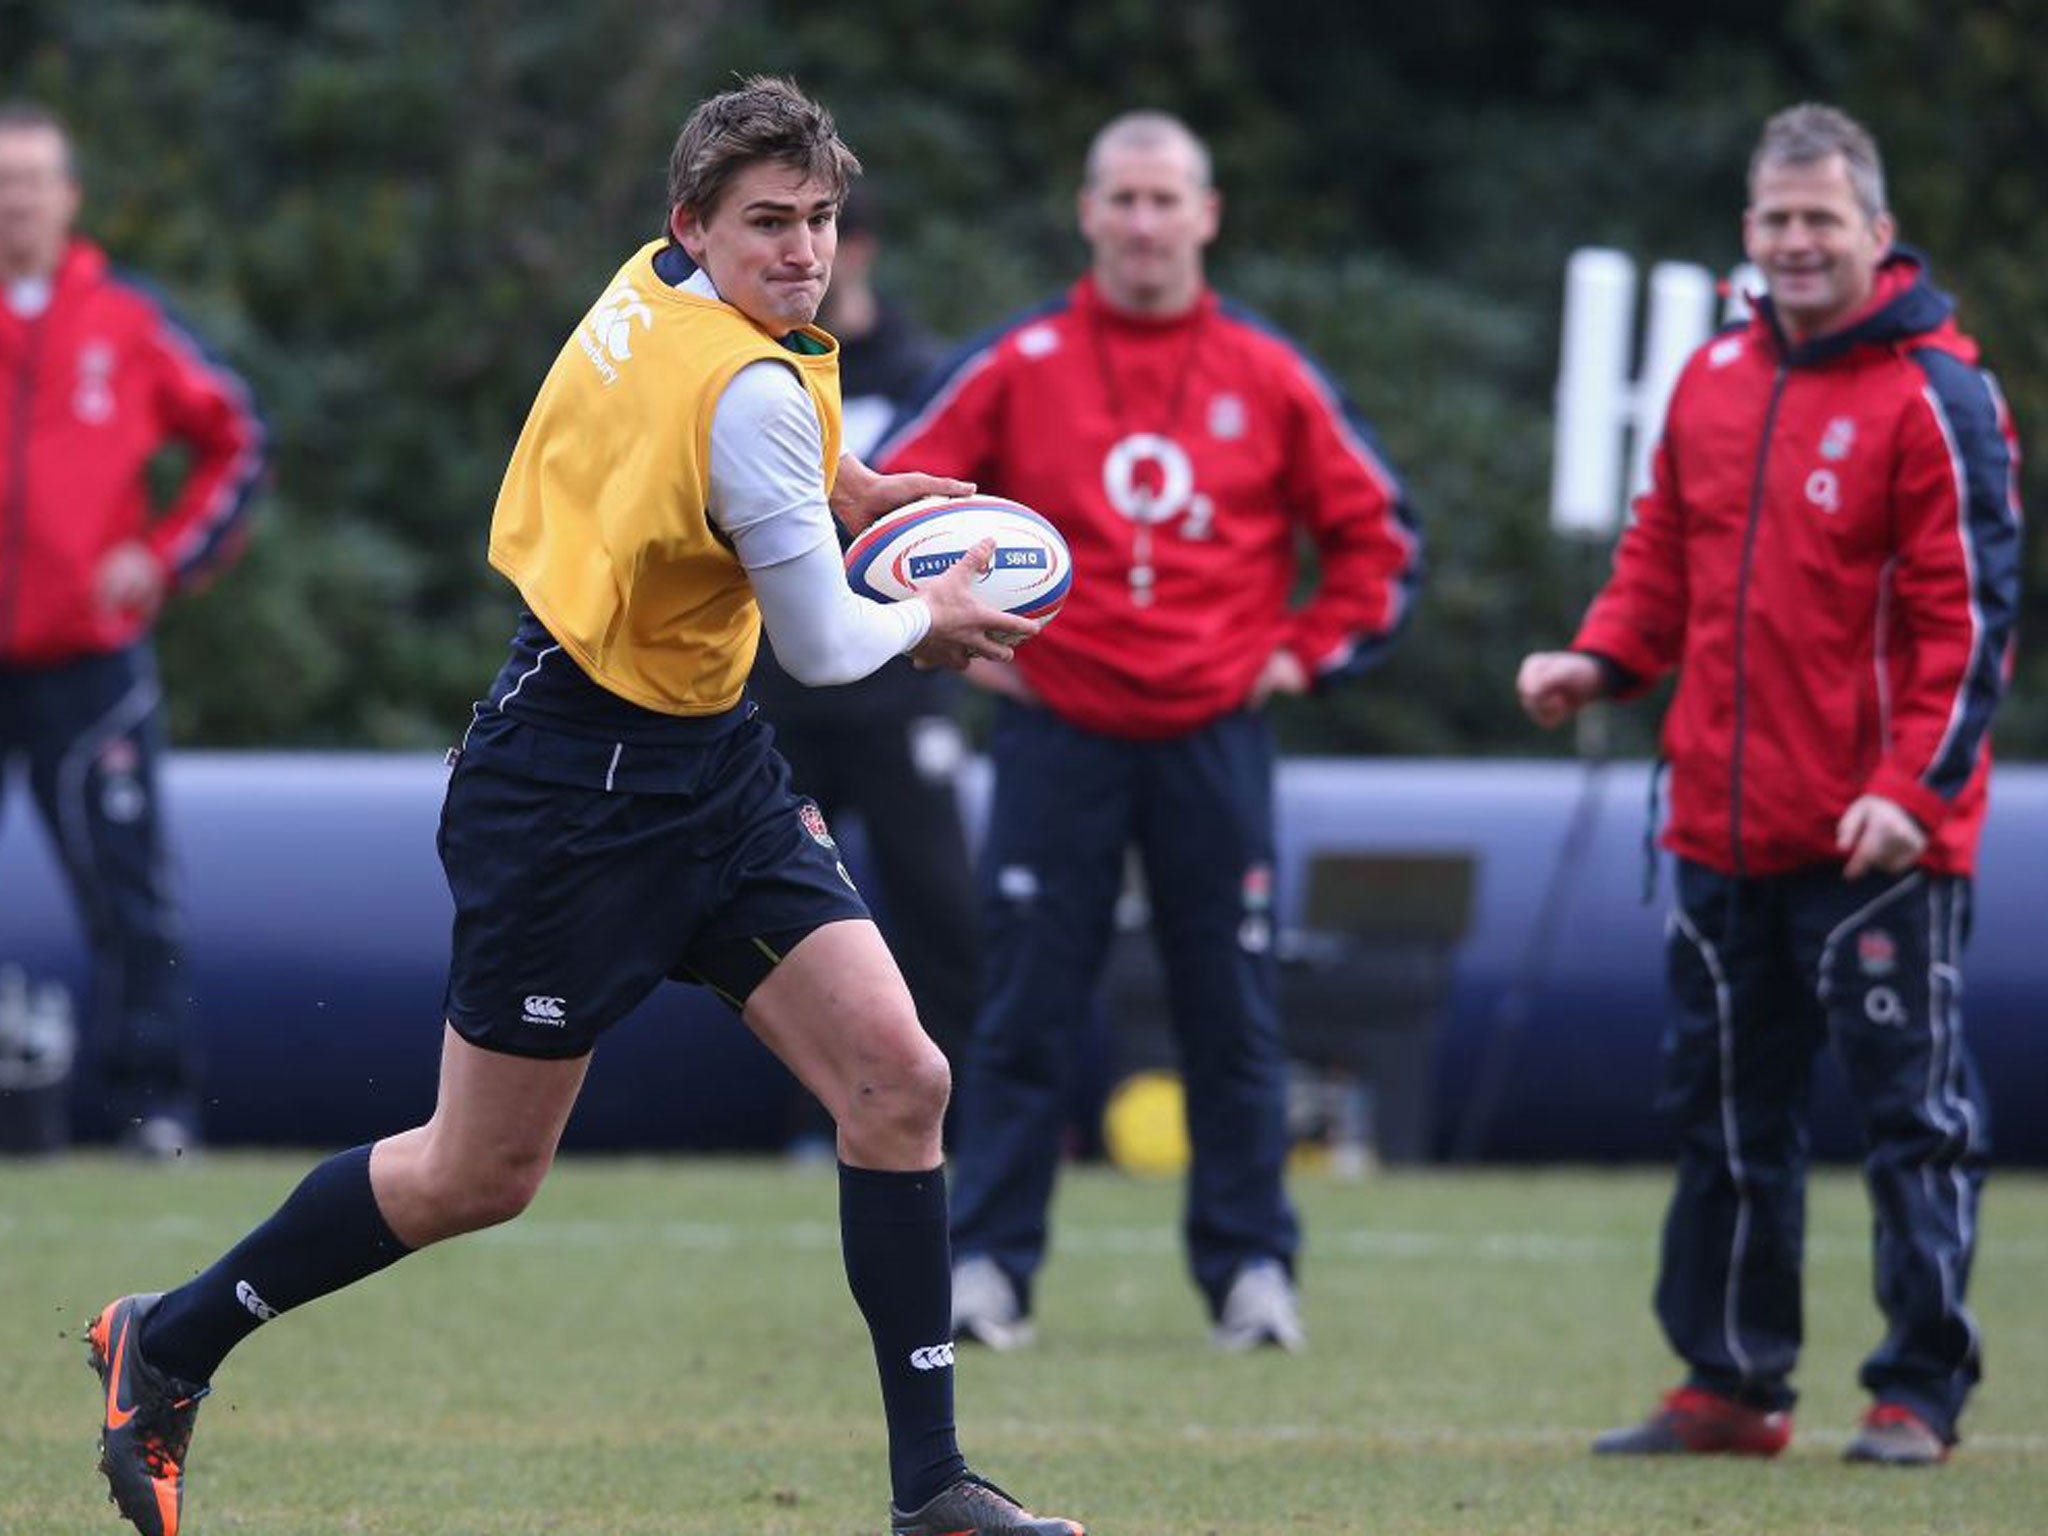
(1904, 307)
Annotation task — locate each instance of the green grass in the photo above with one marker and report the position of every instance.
(668, 1347)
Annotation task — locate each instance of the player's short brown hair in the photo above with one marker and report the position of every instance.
(765, 118)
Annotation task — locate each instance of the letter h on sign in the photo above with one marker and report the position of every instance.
(1599, 406)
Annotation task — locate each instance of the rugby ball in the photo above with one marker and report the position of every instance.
(1030, 576)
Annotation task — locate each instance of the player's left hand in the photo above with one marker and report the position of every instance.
(1877, 833)
(1282, 673)
(860, 494)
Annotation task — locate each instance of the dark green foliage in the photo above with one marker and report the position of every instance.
(388, 215)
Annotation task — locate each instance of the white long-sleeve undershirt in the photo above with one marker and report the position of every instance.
(768, 495)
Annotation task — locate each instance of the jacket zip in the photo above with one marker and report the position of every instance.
(1756, 507)
(14, 524)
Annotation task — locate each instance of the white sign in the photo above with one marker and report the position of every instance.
(1609, 411)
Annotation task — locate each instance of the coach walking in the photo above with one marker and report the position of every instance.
(1829, 558)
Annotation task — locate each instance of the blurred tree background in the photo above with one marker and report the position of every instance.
(389, 215)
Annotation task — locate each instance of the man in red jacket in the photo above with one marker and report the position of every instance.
(94, 380)
(1829, 559)
(1185, 449)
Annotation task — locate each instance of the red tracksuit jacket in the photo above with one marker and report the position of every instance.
(1830, 556)
(90, 389)
(1192, 452)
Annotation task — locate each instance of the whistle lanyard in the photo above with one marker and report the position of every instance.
(1145, 509)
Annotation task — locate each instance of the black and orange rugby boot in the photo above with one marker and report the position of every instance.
(147, 1423)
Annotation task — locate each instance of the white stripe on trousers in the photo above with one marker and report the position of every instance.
(73, 825)
(1738, 1245)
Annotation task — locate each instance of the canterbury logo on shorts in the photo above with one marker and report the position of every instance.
(545, 1010)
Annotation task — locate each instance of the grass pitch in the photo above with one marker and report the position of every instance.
(668, 1347)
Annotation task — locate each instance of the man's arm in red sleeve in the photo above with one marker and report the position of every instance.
(1368, 542)
(951, 426)
(1955, 586)
(203, 404)
(1637, 622)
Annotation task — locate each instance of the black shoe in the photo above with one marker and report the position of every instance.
(147, 1425)
(975, 1507)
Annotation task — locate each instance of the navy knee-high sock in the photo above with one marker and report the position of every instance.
(327, 1234)
(892, 1231)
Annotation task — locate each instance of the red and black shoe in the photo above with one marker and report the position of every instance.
(148, 1420)
(1695, 1422)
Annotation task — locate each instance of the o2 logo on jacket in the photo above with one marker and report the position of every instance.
(92, 399)
(1824, 485)
(1150, 479)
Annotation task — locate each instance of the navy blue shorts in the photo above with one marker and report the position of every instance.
(572, 904)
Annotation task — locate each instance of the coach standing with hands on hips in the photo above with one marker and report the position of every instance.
(1182, 447)
(1828, 556)
(95, 380)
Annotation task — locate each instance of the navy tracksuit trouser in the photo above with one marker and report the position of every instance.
(93, 735)
(916, 845)
(895, 771)
(1066, 806)
(1762, 972)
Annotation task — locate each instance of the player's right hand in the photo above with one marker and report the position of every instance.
(1878, 833)
(1555, 685)
(964, 628)
(860, 494)
(129, 581)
